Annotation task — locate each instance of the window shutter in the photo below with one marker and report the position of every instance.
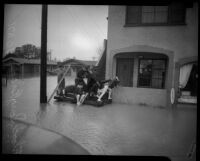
(133, 15)
(176, 13)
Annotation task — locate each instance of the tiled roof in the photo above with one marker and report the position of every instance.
(29, 61)
(88, 62)
(83, 62)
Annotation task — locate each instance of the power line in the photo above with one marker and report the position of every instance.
(85, 31)
(97, 26)
(73, 16)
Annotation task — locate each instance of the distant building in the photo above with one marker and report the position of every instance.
(100, 67)
(153, 49)
(24, 67)
(76, 65)
(29, 51)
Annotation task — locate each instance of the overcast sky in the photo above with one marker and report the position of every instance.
(73, 30)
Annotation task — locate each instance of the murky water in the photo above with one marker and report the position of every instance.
(115, 129)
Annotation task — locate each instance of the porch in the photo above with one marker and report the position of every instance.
(116, 129)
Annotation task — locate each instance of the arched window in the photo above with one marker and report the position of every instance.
(142, 69)
(152, 73)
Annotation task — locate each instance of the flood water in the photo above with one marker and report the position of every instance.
(116, 129)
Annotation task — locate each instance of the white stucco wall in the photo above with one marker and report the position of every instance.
(145, 96)
(181, 41)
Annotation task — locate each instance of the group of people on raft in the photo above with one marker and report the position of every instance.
(86, 85)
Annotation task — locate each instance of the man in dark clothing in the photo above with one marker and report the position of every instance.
(61, 87)
(81, 73)
(81, 86)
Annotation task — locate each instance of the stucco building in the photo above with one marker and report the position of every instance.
(154, 51)
(76, 65)
(20, 67)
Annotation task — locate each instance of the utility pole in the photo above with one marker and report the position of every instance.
(50, 55)
(43, 66)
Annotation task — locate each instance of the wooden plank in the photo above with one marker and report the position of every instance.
(43, 73)
(59, 83)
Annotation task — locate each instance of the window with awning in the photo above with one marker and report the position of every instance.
(184, 75)
(188, 82)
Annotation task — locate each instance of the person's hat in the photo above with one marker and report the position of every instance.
(60, 65)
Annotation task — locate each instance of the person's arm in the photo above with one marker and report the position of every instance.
(103, 91)
(105, 81)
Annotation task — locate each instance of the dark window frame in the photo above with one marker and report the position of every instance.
(132, 70)
(163, 79)
(155, 13)
(168, 23)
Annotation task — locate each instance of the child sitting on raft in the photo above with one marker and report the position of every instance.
(81, 86)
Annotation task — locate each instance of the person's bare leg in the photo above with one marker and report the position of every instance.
(109, 93)
(82, 99)
(103, 92)
(77, 99)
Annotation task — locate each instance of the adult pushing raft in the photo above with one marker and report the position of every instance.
(87, 90)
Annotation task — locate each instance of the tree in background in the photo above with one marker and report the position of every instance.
(99, 50)
(28, 51)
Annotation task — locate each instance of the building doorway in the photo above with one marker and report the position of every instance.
(188, 82)
(125, 71)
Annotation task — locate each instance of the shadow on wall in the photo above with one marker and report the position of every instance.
(140, 96)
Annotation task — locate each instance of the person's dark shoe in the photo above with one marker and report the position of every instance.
(61, 94)
(109, 100)
(99, 100)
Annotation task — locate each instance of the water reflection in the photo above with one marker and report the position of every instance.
(115, 129)
(40, 115)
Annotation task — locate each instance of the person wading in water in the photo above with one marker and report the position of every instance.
(61, 87)
(81, 86)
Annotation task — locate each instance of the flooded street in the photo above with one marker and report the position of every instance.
(116, 129)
